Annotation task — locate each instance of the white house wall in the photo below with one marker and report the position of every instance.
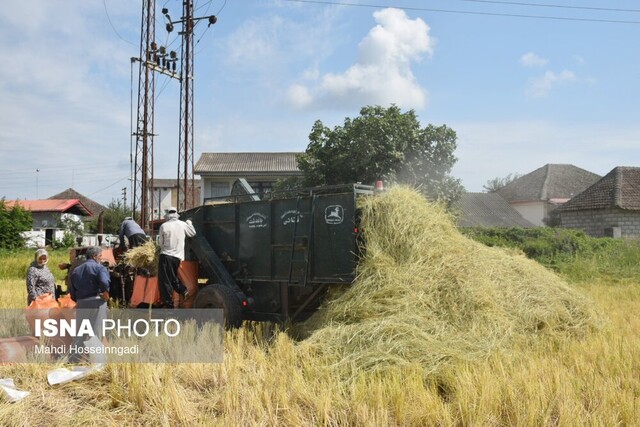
(163, 199)
(534, 212)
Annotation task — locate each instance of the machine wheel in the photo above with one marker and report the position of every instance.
(219, 296)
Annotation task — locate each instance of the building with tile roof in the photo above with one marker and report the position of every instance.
(488, 210)
(47, 216)
(51, 206)
(95, 207)
(538, 193)
(219, 171)
(608, 208)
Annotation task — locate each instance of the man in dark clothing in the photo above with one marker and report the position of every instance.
(90, 290)
(135, 234)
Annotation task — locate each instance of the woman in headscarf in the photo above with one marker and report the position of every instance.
(40, 280)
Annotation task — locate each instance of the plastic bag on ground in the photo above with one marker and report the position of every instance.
(9, 391)
(65, 375)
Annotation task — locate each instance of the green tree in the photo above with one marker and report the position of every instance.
(383, 143)
(13, 221)
(495, 184)
(112, 218)
(72, 228)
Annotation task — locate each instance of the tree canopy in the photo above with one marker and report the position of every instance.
(13, 221)
(383, 144)
(497, 183)
(112, 218)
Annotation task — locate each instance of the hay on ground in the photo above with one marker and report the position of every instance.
(426, 294)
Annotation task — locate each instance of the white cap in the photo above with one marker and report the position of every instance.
(172, 209)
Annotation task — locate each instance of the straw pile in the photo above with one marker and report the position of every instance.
(144, 257)
(426, 294)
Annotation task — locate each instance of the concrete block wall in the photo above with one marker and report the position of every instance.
(596, 222)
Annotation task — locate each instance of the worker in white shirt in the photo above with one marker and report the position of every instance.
(172, 235)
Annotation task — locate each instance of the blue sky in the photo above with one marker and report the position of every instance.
(519, 90)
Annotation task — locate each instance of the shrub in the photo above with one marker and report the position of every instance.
(13, 222)
(569, 252)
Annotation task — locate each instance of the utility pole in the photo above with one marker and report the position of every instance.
(186, 191)
(154, 58)
(142, 202)
(124, 197)
(185, 188)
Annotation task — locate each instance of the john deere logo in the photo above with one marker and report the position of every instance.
(334, 214)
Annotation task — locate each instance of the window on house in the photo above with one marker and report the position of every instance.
(262, 188)
(219, 189)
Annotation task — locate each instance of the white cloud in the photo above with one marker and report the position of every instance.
(299, 96)
(311, 73)
(541, 86)
(255, 43)
(275, 42)
(530, 59)
(382, 73)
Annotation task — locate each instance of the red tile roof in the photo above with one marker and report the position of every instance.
(72, 206)
(620, 188)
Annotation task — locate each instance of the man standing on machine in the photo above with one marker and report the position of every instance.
(172, 235)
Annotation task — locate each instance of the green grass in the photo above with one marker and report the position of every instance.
(14, 263)
(572, 254)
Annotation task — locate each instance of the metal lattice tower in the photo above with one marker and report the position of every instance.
(186, 191)
(142, 190)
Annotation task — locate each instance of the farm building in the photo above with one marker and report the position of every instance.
(47, 217)
(261, 170)
(538, 193)
(488, 210)
(165, 195)
(94, 207)
(608, 208)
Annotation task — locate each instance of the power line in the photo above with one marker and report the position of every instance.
(465, 12)
(57, 168)
(45, 181)
(104, 3)
(557, 6)
(208, 4)
(109, 186)
(222, 7)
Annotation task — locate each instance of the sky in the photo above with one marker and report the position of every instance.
(523, 83)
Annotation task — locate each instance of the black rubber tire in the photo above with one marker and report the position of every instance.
(219, 296)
